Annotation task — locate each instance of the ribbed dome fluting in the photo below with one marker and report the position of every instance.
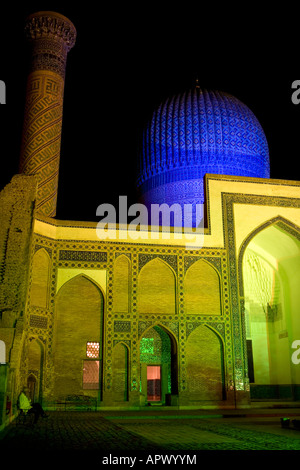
(194, 133)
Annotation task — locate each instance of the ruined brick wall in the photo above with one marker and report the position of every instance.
(17, 201)
(16, 215)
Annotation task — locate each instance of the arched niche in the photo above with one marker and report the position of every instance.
(39, 290)
(157, 288)
(78, 321)
(159, 364)
(202, 289)
(35, 365)
(122, 284)
(269, 273)
(205, 365)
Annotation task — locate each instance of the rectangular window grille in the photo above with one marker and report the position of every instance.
(91, 375)
(92, 350)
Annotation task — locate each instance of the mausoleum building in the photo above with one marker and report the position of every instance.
(166, 315)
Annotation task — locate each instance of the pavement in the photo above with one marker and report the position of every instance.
(143, 434)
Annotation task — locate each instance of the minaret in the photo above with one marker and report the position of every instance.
(51, 36)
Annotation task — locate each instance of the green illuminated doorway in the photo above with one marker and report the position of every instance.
(158, 366)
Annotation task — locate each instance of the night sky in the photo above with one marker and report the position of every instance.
(129, 58)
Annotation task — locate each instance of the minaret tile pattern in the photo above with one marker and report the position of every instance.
(51, 36)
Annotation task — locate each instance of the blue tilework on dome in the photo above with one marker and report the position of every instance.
(199, 128)
(198, 132)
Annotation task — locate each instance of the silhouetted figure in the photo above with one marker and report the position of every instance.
(27, 407)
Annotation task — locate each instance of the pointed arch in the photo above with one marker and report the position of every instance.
(163, 327)
(35, 366)
(78, 320)
(39, 292)
(158, 348)
(83, 276)
(269, 278)
(205, 365)
(202, 289)
(157, 288)
(279, 222)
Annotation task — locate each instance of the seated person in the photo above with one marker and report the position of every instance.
(26, 406)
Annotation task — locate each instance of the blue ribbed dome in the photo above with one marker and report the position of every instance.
(194, 133)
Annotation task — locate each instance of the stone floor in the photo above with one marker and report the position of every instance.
(211, 431)
(111, 434)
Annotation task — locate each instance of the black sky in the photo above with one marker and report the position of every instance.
(129, 57)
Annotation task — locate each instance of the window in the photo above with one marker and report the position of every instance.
(92, 350)
(91, 367)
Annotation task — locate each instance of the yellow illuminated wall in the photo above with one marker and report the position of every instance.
(201, 304)
(271, 272)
